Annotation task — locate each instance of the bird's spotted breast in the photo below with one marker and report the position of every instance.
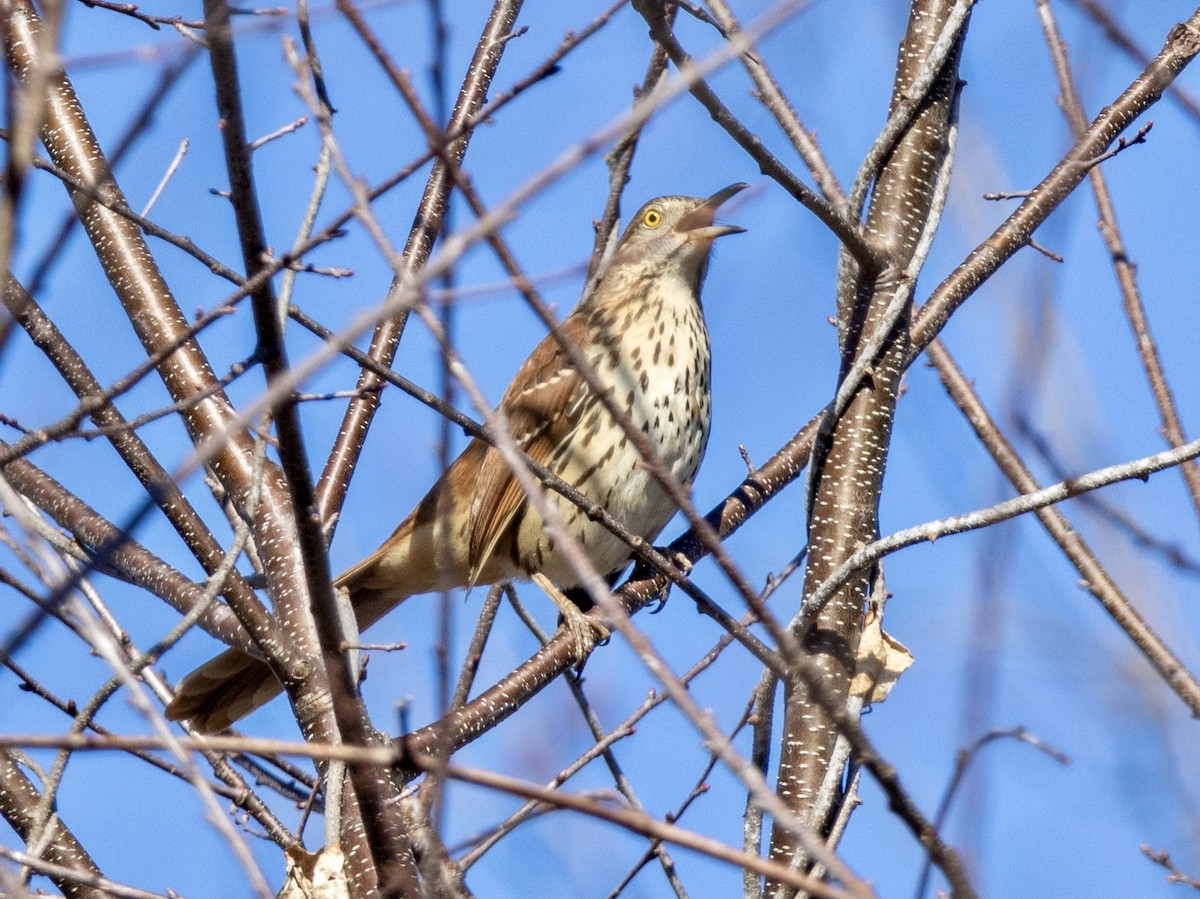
(664, 391)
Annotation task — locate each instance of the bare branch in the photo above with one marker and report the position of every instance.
(335, 480)
(1179, 49)
(1095, 578)
(845, 230)
(1123, 266)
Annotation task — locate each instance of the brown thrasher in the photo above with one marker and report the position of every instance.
(642, 330)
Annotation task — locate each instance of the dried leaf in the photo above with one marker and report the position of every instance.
(881, 661)
(315, 875)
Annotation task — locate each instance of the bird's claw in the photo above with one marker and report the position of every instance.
(660, 600)
(683, 564)
(682, 561)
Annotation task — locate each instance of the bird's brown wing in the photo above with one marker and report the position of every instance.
(543, 404)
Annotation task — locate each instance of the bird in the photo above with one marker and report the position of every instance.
(641, 328)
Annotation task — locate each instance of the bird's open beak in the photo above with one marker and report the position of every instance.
(698, 224)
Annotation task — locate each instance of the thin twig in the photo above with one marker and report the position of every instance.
(1123, 265)
(963, 762)
(278, 133)
(132, 10)
(1162, 858)
(162, 184)
(1135, 469)
(1094, 577)
(81, 878)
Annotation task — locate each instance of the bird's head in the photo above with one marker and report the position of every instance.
(676, 232)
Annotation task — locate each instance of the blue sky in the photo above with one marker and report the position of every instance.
(1059, 667)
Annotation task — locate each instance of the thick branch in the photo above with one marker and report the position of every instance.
(113, 553)
(848, 476)
(393, 869)
(19, 800)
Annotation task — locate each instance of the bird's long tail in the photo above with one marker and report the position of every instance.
(233, 684)
(427, 552)
(222, 690)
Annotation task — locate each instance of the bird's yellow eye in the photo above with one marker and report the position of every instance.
(652, 218)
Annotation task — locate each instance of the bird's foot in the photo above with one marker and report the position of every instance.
(585, 630)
